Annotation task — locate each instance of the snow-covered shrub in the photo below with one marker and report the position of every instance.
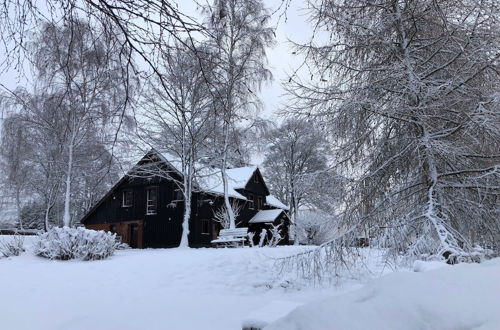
(315, 227)
(75, 243)
(13, 247)
(275, 235)
(220, 215)
(122, 246)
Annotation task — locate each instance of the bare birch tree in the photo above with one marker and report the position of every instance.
(35, 125)
(15, 150)
(179, 123)
(76, 99)
(296, 160)
(145, 28)
(239, 35)
(81, 63)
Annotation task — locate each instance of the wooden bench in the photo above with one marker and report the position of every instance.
(231, 237)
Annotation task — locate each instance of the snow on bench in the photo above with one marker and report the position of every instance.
(260, 318)
(231, 237)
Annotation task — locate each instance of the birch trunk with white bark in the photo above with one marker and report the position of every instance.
(67, 194)
(227, 202)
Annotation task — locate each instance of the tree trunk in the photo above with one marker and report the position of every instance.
(185, 223)
(449, 243)
(18, 205)
(296, 231)
(187, 189)
(293, 211)
(227, 203)
(67, 195)
(46, 226)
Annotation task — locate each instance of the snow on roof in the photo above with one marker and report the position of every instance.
(210, 179)
(264, 216)
(237, 179)
(273, 201)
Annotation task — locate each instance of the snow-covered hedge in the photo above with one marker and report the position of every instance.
(12, 247)
(75, 243)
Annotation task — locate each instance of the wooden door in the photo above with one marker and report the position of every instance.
(215, 230)
(134, 235)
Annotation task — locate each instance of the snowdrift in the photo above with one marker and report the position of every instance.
(464, 296)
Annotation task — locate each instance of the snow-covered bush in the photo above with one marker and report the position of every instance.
(122, 246)
(13, 247)
(250, 236)
(221, 214)
(75, 243)
(315, 227)
(275, 235)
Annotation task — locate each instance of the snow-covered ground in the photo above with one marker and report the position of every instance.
(465, 296)
(219, 288)
(148, 289)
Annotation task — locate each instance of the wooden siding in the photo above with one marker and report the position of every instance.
(164, 229)
(122, 229)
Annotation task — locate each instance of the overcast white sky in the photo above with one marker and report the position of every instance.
(281, 61)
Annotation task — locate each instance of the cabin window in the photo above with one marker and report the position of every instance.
(250, 202)
(205, 227)
(127, 198)
(151, 200)
(256, 178)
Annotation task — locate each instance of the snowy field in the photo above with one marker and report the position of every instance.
(460, 297)
(219, 288)
(147, 289)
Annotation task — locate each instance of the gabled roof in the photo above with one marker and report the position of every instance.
(266, 216)
(210, 179)
(273, 201)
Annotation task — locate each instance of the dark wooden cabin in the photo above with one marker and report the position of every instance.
(147, 212)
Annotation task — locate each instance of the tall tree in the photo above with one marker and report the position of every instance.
(81, 64)
(411, 90)
(77, 98)
(145, 28)
(179, 123)
(295, 162)
(239, 36)
(14, 153)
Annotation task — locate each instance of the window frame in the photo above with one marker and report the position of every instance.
(207, 222)
(148, 199)
(124, 192)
